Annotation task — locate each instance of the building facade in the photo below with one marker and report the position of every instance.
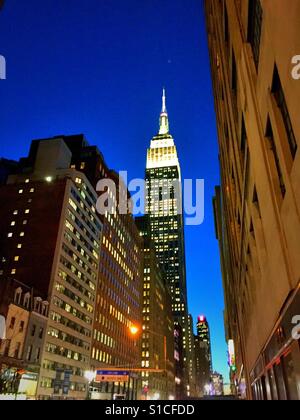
(203, 356)
(192, 386)
(257, 93)
(20, 350)
(120, 278)
(164, 206)
(158, 326)
(203, 333)
(50, 241)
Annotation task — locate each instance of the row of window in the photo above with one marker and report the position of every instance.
(60, 335)
(65, 352)
(54, 316)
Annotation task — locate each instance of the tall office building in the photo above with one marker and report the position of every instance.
(253, 46)
(203, 356)
(203, 333)
(157, 335)
(50, 238)
(164, 206)
(192, 386)
(120, 282)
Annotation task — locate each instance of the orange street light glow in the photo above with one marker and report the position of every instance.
(134, 330)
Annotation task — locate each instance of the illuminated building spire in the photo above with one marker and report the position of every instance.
(164, 119)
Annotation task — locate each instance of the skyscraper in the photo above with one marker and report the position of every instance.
(158, 327)
(203, 332)
(120, 280)
(203, 354)
(192, 386)
(164, 206)
(50, 238)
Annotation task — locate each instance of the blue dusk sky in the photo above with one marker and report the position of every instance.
(98, 67)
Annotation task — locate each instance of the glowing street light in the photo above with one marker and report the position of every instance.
(134, 330)
(90, 375)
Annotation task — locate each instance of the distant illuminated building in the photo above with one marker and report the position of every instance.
(203, 334)
(203, 358)
(157, 338)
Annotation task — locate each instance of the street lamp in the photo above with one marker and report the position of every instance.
(90, 376)
(135, 330)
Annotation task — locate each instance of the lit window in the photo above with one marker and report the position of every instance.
(13, 271)
(22, 234)
(82, 165)
(17, 258)
(13, 223)
(10, 235)
(48, 179)
(27, 211)
(19, 246)
(27, 181)
(31, 190)
(15, 212)
(24, 222)
(20, 191)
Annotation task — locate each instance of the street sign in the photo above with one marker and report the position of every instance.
(112, 376)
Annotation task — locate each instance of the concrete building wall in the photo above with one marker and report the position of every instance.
(260, 170)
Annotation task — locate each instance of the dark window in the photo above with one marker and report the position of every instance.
(256, 202)
(270, 137)
(234, 74)
(226, 26)
(277, 90)
(12, 323)
(254, 28)
(234, 84)
(17, 350)
(33, 329)
(272, 382)
(41, 332)
(7, 347)
(243, 142)
(37, 355)
(280, 382)
(291, 377)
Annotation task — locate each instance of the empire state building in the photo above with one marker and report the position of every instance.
(164, 208)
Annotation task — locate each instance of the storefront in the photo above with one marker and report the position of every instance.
(277, 373)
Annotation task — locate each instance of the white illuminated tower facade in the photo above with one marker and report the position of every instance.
(164, 207)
